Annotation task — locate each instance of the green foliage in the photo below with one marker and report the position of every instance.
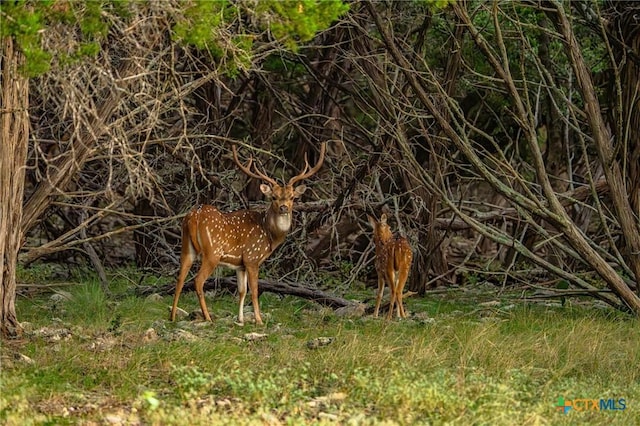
(435, 5)
(91, 22)
(190, 381)
(203, 25)
(24, 24)
(298, 21)
(199, 24)
(36, 272)
(26, 21)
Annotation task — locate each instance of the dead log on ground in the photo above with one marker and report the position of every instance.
(276, 287)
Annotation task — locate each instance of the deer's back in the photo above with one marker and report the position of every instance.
(394, 254)
(236, 237)
(401, 253)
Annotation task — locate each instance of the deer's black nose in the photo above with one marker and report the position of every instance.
(284, 209)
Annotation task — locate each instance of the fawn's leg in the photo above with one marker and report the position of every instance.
(402, 280)
(393, 290)
(379, 295)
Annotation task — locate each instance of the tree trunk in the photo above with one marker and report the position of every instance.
(624, 26)
(612, 170)
(625, 106)
(14, 128)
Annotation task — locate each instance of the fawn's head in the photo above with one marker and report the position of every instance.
(281, 196)
(381, 230)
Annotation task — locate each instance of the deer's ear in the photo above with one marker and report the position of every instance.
(383, 218)
(266, 189)
(299, 190)
(372, 221)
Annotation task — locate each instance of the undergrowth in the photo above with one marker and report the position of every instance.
(91, 357)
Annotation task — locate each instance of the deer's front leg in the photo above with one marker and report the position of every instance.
(241, 278)
(252, 275)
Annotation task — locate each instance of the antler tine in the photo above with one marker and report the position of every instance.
(305, 174)
(247, 169)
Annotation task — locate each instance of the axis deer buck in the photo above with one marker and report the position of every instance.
(393, 262)
(242, 239)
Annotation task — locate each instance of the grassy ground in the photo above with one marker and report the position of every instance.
(92, 359)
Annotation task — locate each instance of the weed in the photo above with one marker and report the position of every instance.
(190, 381)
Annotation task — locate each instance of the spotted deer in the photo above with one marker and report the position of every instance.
(393, 262)
(241, 240)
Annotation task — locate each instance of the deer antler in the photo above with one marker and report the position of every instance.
(247, 169)
(305, 174)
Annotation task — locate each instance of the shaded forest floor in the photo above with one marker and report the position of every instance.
(465, 356)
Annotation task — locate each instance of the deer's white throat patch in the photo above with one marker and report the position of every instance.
(283, 221)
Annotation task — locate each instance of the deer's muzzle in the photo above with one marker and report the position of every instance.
(284, 209)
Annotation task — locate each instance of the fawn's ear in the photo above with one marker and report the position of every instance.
(266, 189)
(383, 218)
(372, 221)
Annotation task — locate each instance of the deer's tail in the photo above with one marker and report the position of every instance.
(190, 235)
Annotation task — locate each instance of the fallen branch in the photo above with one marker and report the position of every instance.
(297, 290)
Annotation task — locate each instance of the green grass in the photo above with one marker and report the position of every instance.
(92, 358)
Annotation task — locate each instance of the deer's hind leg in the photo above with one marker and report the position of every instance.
(252, 277)
(241, 278)
(187, 257)
(209, 263)
(393, 293)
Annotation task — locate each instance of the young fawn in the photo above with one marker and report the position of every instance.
(393, 262)
(241, 240)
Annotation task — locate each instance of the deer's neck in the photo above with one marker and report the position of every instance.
(277, 226)
(381, 243)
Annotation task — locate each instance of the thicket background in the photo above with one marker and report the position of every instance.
(502, 138)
